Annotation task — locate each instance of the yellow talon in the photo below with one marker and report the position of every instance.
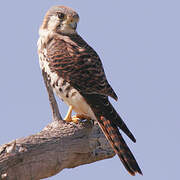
(75, 118)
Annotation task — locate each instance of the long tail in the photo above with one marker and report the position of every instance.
(109, 121)
(119, 145)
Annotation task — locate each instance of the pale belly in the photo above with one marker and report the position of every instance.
(72, 98)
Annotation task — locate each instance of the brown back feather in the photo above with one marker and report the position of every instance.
(75, 61)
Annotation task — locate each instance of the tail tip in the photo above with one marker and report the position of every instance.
(133, 173)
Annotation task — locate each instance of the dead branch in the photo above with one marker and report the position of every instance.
(56, 147)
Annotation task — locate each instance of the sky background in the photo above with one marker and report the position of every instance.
(139, 45)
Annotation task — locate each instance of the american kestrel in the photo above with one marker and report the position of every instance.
(77, 77)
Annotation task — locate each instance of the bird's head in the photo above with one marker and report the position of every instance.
(61, 19)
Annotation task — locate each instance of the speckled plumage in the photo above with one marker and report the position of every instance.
(77, 76)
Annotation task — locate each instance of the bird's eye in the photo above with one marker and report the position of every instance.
(61, 16)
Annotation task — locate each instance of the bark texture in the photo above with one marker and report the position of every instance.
(56, 147)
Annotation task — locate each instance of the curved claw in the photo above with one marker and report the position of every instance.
(76, 118)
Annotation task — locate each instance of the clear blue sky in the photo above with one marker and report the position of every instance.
(139, 45)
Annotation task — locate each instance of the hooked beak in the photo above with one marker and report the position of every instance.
(73, 25)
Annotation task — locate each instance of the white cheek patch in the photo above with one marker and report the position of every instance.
(53, 22)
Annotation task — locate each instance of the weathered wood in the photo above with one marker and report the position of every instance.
(56, 147)
(52, 101)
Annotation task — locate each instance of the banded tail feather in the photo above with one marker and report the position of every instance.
(109, 121)
(119, 145)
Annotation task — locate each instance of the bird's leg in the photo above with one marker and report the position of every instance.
(68, 117)
(78, 117)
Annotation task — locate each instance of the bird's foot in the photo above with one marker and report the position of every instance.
(73, 119)
(79, 118)
(68, 119)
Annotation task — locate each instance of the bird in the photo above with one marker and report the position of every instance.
(77, 76)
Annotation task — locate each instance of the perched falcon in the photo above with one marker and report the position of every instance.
(77, 77)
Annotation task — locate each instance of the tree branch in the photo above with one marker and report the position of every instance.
(53, 104)
(56, 147)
